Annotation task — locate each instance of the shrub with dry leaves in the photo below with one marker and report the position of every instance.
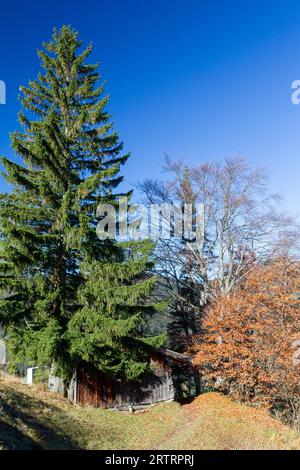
(247, 344)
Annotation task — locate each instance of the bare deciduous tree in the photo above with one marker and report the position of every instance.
(242, 224)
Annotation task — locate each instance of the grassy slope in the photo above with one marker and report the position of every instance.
(31, 418)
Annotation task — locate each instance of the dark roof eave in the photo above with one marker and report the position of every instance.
(178, 357)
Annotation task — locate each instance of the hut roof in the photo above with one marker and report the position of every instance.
(177, 357)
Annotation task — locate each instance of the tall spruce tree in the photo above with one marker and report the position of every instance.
(68, 295)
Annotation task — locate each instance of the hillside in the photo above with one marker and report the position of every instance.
(31, 418)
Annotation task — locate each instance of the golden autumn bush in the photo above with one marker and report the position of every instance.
(248, 339)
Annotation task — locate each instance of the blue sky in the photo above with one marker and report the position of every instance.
(196, 79)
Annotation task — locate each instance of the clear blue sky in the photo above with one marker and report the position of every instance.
(192, 78)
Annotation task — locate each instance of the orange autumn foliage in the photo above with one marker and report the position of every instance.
(246, 347)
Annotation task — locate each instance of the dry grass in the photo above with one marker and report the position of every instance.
(214, 422)
(31, 418)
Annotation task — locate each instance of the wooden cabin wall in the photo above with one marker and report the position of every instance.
(95, 388)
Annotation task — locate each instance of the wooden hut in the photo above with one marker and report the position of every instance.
(3, 352)
(91, 387)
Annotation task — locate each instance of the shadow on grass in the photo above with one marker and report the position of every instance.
(13, 439)
(185, 400)
(30, 423)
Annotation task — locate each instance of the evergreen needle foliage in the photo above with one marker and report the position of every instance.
(69, 296)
